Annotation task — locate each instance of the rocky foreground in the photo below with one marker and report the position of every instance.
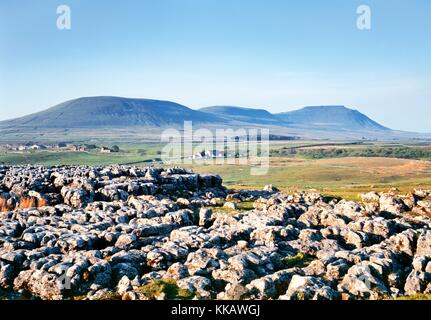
(141, 233)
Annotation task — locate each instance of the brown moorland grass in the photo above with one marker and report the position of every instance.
(343, 177)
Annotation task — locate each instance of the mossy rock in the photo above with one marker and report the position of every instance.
(299, 260)
(169, 287)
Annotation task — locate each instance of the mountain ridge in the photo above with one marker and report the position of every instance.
(243, 114)
(345, 118)
(110, 111)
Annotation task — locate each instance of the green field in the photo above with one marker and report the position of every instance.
(128, 154)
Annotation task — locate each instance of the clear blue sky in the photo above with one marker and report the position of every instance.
(277, 54)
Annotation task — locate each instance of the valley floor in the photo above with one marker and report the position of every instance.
(326, 166)
(339, 176)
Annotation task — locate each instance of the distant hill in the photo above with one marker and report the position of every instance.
(98, 113)
(330, 118)
(259, 116)
(112, 112)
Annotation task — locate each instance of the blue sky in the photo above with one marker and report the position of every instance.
(276, 54)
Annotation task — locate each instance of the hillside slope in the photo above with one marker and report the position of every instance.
(112, 112)
(259, 116)
(331, 118)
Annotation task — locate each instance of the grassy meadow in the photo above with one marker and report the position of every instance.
(129, 153)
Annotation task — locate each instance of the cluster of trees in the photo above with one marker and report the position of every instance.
(387, 152)
(115, 148)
